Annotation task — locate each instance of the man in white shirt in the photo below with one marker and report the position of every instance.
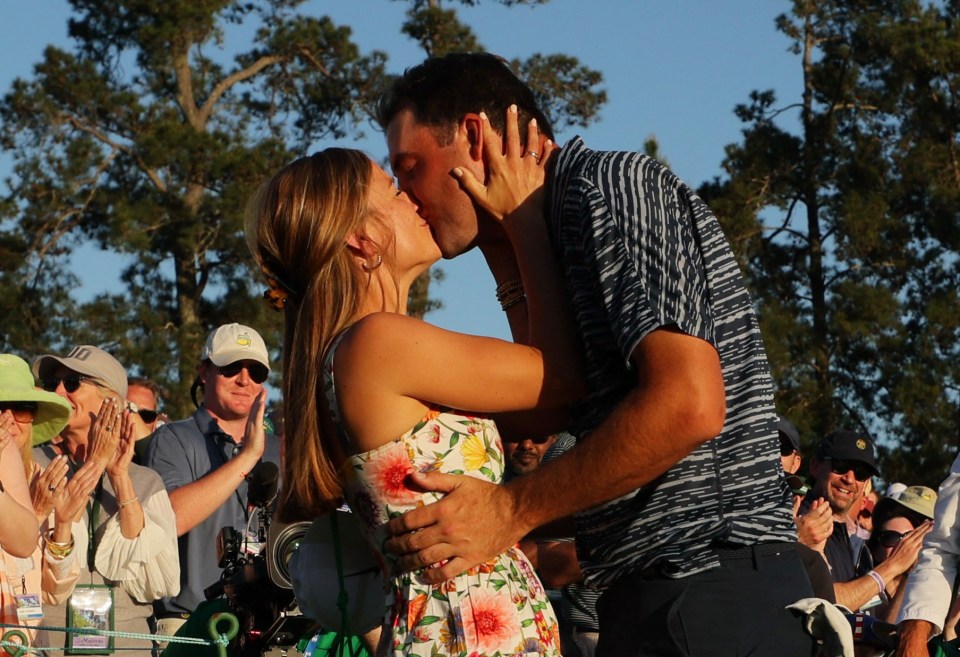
(930, 587)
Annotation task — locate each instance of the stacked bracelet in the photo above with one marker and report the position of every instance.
(127, 502)
(510, 294)
(58, 550)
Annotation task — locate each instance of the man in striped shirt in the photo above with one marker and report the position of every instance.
(682, 511)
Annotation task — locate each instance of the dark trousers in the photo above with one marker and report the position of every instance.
(736, 609)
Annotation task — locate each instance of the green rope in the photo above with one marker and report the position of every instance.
(220, 640)
(18, 645)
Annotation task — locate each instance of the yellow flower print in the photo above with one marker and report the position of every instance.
(474, 452)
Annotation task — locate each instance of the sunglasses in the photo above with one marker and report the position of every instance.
(890, 538)
(70, 382)
(23, 412)
(147, 415)
(861, 471)
(258, 371)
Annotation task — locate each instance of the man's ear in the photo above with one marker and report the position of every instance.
(203, 371)
(472, 128)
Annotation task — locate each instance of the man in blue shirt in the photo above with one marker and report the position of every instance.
(204, 460)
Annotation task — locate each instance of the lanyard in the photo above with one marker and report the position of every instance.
(17, 568)
(93, 517)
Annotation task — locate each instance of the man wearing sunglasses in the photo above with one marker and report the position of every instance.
(143, 400)
(204, 460)
(523, 456)
(844, 463)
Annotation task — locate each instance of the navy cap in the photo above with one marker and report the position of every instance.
(848, 446)
(789, 436)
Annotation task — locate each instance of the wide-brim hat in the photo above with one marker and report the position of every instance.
(16, 385)
(918, 499)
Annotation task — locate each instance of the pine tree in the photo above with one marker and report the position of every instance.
(147, 137)
(846, 227)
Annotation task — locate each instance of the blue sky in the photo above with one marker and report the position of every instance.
(674, 70)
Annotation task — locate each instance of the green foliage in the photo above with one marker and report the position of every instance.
(146, 137)
(847, 229)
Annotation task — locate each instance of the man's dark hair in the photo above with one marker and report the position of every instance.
(144, 382)
(442, 90)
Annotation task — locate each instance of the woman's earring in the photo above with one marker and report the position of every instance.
(374, 267)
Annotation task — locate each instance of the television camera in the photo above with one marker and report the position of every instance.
(255, 579)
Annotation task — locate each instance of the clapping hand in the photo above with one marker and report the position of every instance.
(254, 436)
(47, 485)
(105, 433)
(7, 424)
(816, 525)
(123, 455)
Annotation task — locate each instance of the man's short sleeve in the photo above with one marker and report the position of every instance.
(169, 456)
(645, 253)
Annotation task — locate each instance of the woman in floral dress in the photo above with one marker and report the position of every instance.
(370, 393)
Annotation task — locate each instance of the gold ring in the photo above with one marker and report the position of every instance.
(534, 155)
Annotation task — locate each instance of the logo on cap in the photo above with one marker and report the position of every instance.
(244, 340)
(861, 444)
(80, 353)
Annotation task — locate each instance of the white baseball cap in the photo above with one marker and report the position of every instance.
(232, 342)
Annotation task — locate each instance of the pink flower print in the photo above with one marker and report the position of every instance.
(490, 621)
(435, 433)
(387, 473)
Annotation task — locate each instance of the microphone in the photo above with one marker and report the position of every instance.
(262, 484)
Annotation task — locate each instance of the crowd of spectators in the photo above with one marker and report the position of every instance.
(74, 429)
(109, 514)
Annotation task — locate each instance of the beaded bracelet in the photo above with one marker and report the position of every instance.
(510, 294)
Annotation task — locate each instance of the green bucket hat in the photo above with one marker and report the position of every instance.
(16, 385)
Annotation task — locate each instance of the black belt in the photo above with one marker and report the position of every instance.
(737, 553)
(731, 553)
(182, 615)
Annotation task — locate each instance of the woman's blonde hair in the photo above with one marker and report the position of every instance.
(297, 227)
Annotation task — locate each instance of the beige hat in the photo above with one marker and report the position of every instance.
(90, 361)
(232, 342)
(920, 499)
(16, 385)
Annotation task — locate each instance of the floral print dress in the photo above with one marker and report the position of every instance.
(497, 609)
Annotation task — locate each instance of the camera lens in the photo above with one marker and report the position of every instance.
(282, 542)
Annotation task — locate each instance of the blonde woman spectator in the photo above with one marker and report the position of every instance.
(125, 537)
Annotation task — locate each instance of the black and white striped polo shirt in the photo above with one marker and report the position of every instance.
(640, 250)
